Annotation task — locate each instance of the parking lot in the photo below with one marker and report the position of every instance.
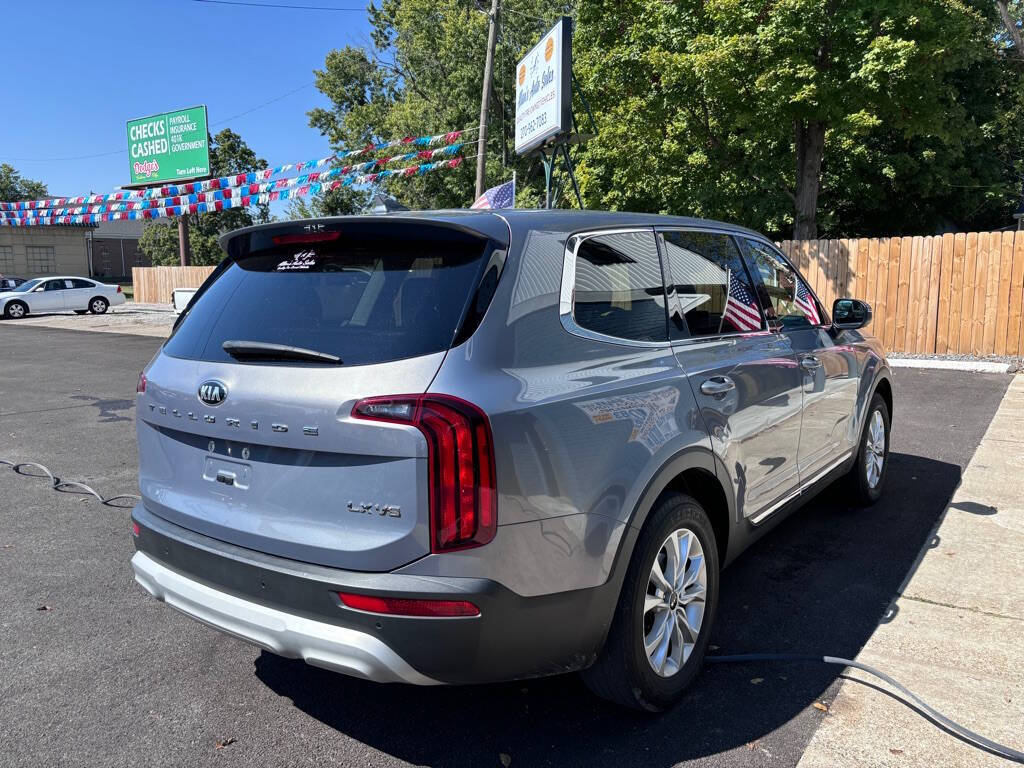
(95, 673)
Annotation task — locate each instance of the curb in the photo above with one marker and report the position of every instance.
(975, 366)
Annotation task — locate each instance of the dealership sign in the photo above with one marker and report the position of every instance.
(170, 147)
(544, 88)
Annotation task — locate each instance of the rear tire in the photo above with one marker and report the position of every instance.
(98, 305)
(15, 310)
(867, 477)
(625, 672)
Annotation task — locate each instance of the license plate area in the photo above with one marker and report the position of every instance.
(232, 474)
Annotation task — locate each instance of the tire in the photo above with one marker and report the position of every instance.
(98, 305)
(15, 310)
(867, 481)
(81, 311)
(623, 672)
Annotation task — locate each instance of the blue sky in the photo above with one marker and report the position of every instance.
(76, 70)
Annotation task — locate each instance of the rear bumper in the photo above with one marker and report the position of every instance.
(292, 609)
(323, 645)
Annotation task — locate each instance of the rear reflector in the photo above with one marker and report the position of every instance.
(403, 606)
(460, 449)
(135, 529)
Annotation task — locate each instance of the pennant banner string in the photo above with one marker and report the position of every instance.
(235, 180)
(235, 191)
(241, 201)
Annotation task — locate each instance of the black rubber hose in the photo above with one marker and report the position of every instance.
(954, 727)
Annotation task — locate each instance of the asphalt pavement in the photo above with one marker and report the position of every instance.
(95, 673)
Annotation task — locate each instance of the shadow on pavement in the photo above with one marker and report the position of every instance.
(819, 583)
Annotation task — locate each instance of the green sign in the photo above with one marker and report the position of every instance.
(169, 147)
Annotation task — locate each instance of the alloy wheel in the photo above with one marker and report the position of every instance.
(674, 602)
(874, 456)
(16, 310)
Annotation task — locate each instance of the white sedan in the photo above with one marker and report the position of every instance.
(60, 294)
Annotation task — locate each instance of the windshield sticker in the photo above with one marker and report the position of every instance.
(301, 260)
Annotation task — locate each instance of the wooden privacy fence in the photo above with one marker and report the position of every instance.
(153, 285)
(946, 295)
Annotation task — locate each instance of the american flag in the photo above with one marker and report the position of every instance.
(741, 307)
(501, 196)
(805, 302)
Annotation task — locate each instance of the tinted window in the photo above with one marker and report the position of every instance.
(56, 285)
(364, 300)
(785, 296)
(618, 290)
(82, 284)
(711, 283)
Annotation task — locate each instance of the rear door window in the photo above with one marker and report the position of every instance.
(711, 283)
(618, 289)
(363, 299)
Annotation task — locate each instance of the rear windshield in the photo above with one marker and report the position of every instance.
(365, 301)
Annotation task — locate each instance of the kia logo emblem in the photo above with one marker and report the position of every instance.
(212, 392)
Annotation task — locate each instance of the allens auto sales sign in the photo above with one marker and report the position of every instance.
(544, 88)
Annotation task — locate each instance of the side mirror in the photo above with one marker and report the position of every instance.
(850, 314)
(39, 288)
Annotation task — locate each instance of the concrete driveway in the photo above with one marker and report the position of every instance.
(106, 676)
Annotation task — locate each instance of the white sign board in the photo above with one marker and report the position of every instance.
(544, 88)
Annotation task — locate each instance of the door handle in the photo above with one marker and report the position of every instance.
(810, 363)
(717, 385)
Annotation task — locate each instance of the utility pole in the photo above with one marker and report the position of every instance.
(485, 98)
(184, 247)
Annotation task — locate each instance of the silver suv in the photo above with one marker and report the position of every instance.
(460, 447)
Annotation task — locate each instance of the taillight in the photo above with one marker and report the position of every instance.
(141, 386)
(463, 499)
(119, 289)
(405, 606)
(135, 529)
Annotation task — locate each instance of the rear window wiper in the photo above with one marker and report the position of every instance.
(261, 350)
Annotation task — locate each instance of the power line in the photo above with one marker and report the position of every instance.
(122, 151)
(261, 106)
(64, 159)
(281, 5)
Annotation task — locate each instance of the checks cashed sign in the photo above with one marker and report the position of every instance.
(169, 147)
(544, 88)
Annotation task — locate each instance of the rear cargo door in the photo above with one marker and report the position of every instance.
(245, 427)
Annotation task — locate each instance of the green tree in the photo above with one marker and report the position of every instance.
(14, 187)
(228, 154)
(789, 113)
(423, 74)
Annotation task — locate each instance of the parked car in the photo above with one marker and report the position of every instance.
(59, 294)
(9, 282)
(464, 447)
